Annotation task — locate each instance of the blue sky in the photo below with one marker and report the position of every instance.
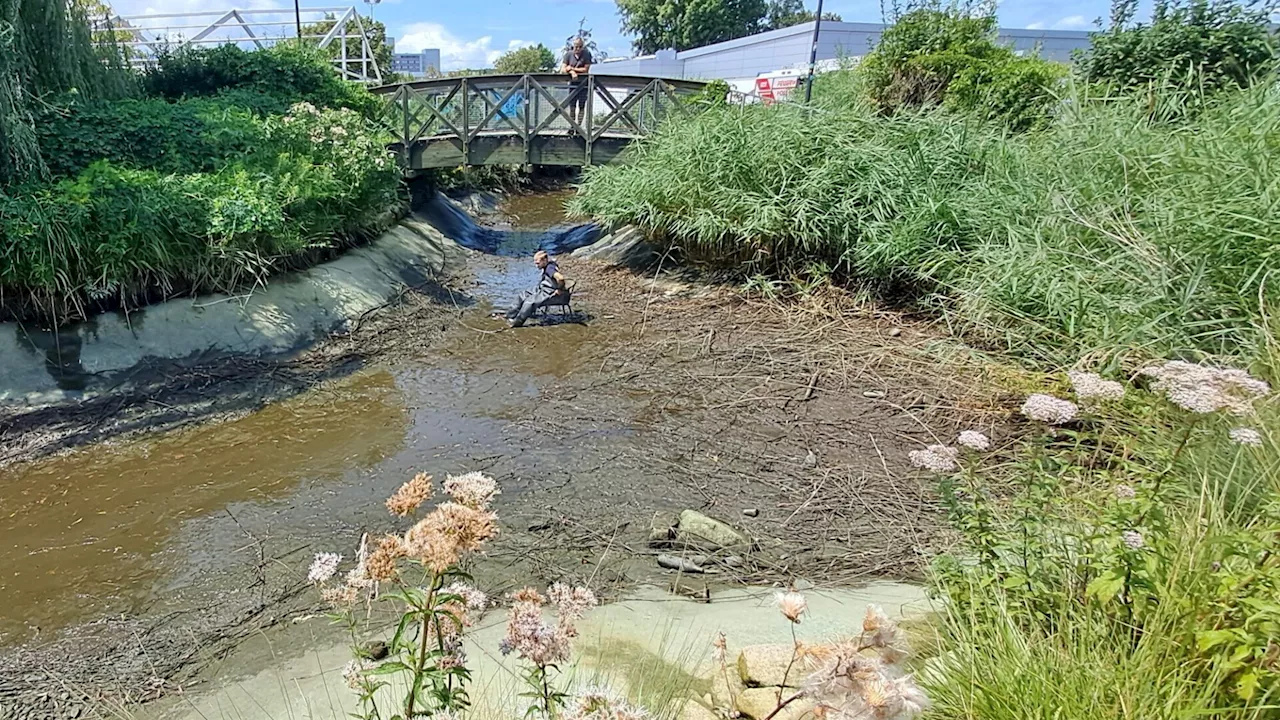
(471, 33)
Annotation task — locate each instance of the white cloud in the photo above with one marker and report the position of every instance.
(455, 53)
(1072, 22)
(1036, 26)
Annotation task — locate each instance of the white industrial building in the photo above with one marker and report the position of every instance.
(741, 61)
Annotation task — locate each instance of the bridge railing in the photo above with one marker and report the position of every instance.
(465, 110)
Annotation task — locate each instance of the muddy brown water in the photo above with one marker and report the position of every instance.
(162, 523)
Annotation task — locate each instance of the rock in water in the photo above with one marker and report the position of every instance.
(694, 528)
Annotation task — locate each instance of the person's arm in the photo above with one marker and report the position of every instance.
(561, 282)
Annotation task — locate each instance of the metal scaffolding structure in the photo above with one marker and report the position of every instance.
(152, 35)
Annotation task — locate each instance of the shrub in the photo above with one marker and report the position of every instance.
(293, 72)
(933, 57)
(197, 135)
(113, 231)
(1107, 233)
(1199, 44)
(1127, 554)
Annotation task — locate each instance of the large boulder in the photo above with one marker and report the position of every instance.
(758, 703)
(693, 710)
(769, 666)
(726, 687)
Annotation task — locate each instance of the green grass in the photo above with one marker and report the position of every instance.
(1107, 234)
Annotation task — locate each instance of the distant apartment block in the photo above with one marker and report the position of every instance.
(423, 64)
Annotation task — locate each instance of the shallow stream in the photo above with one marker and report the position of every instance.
(169, 523)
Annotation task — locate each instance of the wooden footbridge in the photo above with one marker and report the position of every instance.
(536, 119)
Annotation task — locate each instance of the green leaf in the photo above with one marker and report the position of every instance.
(1105, 587)
(389, 668)
(1247, 686)
(1209, 639)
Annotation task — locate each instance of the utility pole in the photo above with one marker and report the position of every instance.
(813, 55)
(297, 19)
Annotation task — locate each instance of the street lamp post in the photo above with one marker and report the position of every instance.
(297, 19)
(813, 55)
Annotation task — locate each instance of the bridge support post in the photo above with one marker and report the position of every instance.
(588, 114)
(528, 135)
(466, 122)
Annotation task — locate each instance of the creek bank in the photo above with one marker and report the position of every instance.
(645, 639)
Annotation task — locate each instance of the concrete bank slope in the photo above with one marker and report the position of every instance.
(290, 312)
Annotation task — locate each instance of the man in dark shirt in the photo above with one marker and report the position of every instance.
(551, 285)
(577, 61)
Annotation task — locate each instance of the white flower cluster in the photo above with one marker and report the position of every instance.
(1246, 436)
(1202, 389)
(974, 440)
(1091, 386)
(937, 458)
(1049, 409)
(324, 567)
(1133, 539)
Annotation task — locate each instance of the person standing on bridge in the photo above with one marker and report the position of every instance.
(551, 288)
(577, 62)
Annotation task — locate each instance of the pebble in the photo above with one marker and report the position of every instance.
(873, 394)
(803, 585)
(751, 512)
(895, 332)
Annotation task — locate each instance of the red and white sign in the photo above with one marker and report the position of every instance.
(773, 87)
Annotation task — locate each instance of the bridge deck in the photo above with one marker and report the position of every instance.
(536, 119)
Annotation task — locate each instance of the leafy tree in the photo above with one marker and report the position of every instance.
(375, 30)
(947, 56)
(532, 59)
(1192, 43)
(785, 13)
(684, 24)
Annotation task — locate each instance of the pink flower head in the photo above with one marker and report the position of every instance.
(1049, 409)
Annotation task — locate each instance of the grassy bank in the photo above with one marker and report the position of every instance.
(1110, 232)
(223, 167)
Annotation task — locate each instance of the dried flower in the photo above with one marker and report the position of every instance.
(720, 649)
(974, 440)
(451, 529)
(1202, 389)
(878, 630)
(1246, 436)
(475, 489)
(571, 603)
(410, 496)
(847, 685)
(593, 703)
(353, 673)
(340, 597)
(471, 597)
(791, 604)
(1125, 492)
(1091, 386)
(324, 567)
(938, 458)
(382, 562)
(1049, 409)
(536, 640)
(1132, 539)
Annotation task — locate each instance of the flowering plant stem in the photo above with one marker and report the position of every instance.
(420, 661)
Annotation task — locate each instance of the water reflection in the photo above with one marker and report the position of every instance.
(84, 534)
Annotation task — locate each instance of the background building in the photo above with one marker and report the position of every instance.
(741, 61)
(423, 64)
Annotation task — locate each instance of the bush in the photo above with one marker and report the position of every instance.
(1105, 234)
(933, 57)
(292, 72)
(114, 231)
(188, 136)
(1196, 44)
(1121, 565)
